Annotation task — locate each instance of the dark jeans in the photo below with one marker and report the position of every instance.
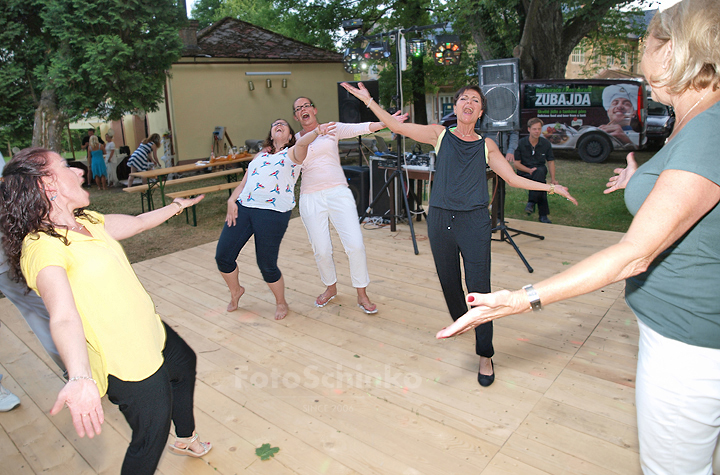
(538, 197)
(268, 226)
(463, 233)
(149, 405)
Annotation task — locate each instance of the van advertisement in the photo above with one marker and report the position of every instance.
(571, 110)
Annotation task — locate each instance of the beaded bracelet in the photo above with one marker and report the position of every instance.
(78, 378)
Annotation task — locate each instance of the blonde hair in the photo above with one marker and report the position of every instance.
(693, 28)
(94, 141)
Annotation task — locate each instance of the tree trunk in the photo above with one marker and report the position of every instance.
(418, 90)
(49, 123)
(541, 50)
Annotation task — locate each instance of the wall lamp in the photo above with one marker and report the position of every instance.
(251, 86)
(268, 83)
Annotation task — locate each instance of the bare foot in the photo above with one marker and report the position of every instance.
(234, 298)
(281, 311)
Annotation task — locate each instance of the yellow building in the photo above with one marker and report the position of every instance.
(241, 77)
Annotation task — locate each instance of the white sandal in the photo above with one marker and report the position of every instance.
(188, 442)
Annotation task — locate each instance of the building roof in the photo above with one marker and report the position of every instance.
(232, 38)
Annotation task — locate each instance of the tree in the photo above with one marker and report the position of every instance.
(547, 30)
(100, 58)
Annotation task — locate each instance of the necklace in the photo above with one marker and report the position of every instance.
(463, 135)
(77, 227)
(691, 109)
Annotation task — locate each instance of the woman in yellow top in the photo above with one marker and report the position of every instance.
(102, 320)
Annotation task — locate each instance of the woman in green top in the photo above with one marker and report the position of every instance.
(670, 256)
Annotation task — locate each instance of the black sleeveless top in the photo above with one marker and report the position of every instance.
(460, 180)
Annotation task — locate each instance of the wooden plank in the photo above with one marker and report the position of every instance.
(201, 191)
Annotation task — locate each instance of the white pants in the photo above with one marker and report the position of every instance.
(678, 405)
(335, 205)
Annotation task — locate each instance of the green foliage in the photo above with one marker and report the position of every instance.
(265, 451)
(100, 57)
(112, 54)
(206, 12)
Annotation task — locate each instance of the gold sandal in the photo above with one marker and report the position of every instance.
(188, 442)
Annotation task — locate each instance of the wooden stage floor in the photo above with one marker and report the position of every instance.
(341, 392)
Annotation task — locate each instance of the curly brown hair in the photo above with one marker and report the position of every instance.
(25, 207)
(268, 143)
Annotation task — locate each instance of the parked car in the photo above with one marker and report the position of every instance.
(660, 123)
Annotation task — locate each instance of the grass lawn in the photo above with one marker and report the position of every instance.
(585, 180)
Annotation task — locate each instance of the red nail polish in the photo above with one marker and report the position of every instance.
(470, 298)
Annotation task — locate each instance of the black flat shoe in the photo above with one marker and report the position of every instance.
(530, 208)
(486, 380)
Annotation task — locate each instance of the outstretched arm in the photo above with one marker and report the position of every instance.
(505, 171)
(420, 133)
(678, 200)
(80, 394)
(123, 226)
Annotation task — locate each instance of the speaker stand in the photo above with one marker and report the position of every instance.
(397, 173)
(504, 230)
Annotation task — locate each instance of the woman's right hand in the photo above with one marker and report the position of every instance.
(232, 213)
(622, 175)
(360, 92)
(83, 400)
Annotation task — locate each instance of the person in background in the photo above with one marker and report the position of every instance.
(111, 158)
(102, 320)
(8, 400)
(261, 205)
(535, 158)
(145, 157)
(85, 146)
(670, 256)
(325, 197)
(99, 170)
(458, 219)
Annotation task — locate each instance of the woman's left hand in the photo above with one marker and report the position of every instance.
(562, 191)
(486, 307)
(188, 202)
(400, 117)
(83, 400)
(326, 129)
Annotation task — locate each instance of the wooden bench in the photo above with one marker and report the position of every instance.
(144, 194)
(200, 191)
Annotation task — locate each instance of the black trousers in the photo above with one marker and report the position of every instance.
(463, 233)
(149, 405)
(538, 197)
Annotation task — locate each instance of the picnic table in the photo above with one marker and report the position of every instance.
(158, 177)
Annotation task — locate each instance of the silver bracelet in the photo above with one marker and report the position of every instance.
(78, 378)
(532, 294)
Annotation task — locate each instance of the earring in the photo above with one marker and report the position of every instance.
(53, 197)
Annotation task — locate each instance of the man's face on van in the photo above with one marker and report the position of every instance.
(620, 109)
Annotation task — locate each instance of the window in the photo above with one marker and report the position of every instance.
(578, 56)
(610, 61)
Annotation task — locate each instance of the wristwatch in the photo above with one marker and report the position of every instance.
(532, 294)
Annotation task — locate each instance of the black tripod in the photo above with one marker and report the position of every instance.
(499, 204)
(397, 173)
